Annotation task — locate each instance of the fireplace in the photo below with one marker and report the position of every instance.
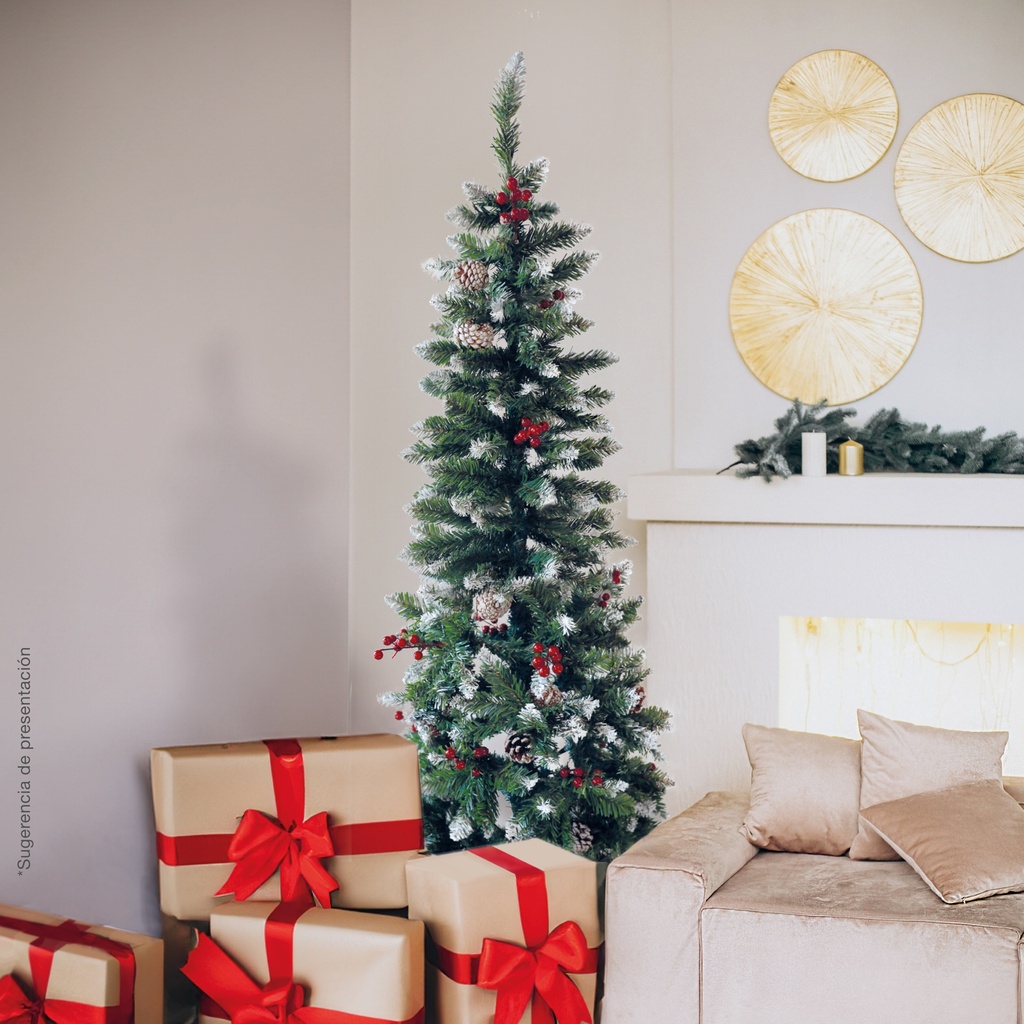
(731, 562)
(960, 675)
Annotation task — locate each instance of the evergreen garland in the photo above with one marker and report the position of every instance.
(526, 697)
(890, 443)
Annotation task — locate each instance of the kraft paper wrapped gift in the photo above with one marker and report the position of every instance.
(520, 918)
(342, 966)
(284, 819)
(82, 973)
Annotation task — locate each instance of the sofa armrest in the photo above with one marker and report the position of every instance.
(654, 895)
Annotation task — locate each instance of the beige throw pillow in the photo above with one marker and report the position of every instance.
(899, 759)
(1014, 785)
(804, 790)
(966, 842)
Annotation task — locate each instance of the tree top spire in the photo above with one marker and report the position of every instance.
(508, 95)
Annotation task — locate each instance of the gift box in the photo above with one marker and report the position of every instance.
(331, 819)
(513, 933)
(81, 973)
(326, 966)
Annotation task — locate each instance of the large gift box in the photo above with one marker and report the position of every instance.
(77, 973)
(325, 966)
(513, 933)
(334, 818)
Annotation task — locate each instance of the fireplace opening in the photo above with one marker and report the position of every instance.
(955, 675)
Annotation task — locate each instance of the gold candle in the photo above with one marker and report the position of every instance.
(851, 459)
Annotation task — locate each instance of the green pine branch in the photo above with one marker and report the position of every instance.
(890, 442)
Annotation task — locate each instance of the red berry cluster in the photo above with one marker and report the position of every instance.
(530, 433)
(511, 199)
(453, 756)
(605, 595)
(496, 630)
(547, 661)
(556, 296)
(403, 641)
(460, 762)
(579, 777)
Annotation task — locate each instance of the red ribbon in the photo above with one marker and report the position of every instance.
(220, 977)
(519, 975)
(280, 1001)
(537, 973)
(20, 1007)
(352, 839)
(262, 843)
(16, 1005)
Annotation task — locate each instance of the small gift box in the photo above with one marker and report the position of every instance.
(513, 933)
(310, 965)
(73, 973)
(331, 819)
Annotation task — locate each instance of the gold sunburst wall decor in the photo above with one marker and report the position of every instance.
(833, 115)
(826, 305)
(960, 178)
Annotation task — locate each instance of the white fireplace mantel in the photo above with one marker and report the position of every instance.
(874, 499)
(728, 558)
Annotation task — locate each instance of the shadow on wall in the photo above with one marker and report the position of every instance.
(262, 608)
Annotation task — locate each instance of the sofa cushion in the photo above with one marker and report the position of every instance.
(804, 790)
(802, 938)
(900, 759)
(1014, 785)
(966, 842)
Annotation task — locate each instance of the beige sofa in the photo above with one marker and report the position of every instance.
(705, 928)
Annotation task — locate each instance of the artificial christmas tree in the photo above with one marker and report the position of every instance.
(526, 697)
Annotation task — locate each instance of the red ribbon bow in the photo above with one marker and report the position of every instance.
(21, 1006)
(16, 1005)
(216, 974)
(520, 975)
(280, 1000)
(262, 844)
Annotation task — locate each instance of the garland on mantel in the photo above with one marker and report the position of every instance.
(890, 443)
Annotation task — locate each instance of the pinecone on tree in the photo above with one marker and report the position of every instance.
(638, 701)
(474, 335)
(520, 748)
(472, 275)
(549, 697)
(582, 837)
(489, 605)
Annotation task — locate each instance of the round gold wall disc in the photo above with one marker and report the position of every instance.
(833, 115)
(960, 178)
(825, 306)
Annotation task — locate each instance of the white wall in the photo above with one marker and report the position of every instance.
(597, 105)
(173, 352)
(730, 185)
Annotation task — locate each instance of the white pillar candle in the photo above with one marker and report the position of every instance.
(812, 452)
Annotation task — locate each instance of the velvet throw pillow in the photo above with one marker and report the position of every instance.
(899, 759)
(966, 842)
(804, 790)
(1014, 785)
